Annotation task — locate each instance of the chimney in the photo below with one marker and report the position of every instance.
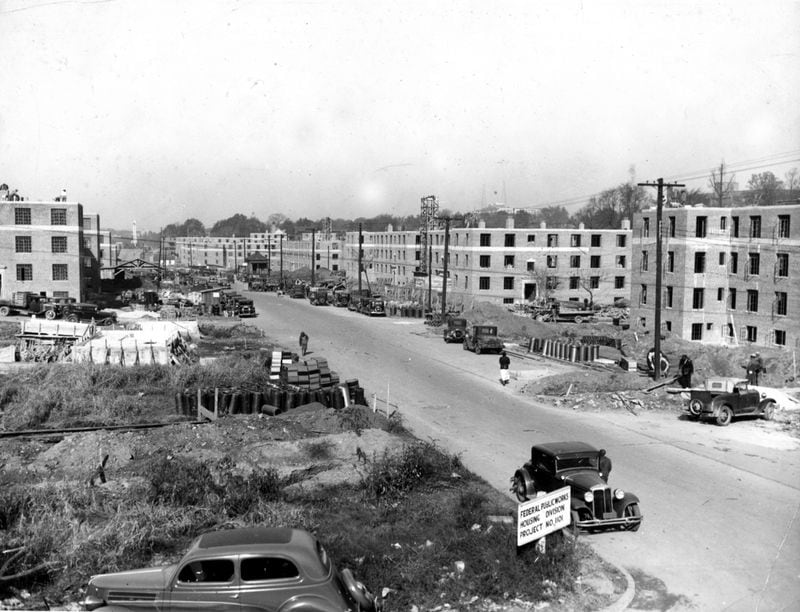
(581, 226)
(543, 225)
(510, 222)
(481, 224)
(626, 224)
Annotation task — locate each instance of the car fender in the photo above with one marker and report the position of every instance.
(302, 603)
(619, 504)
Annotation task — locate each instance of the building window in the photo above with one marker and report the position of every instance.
(594, 261)
(780, 303)
(574, 282)
(552, 261)
(619, 282)
(780, 337)
(552, 240)
(723, 223)
(646, 227)
(60, 272)
(531, 238)
(668, 325)
(722, 259)
(698, 295)
(783, 226)
(574, 261)
(24, 272)
(720, 294)
(753, 263)
(485, 261)
(22, 244)
(621, 261)
(700, 227)
(22, 216)
(752, 333)
(58, 216)
(508, 282)
(734, 263)
(645, 261)
(483, 283)
(672, 227)
(486, 240)
(732, 298)
(668, 296)
(752, 300)
(595, 240)
(700, 262)
(729, 330)
(643, 295)
(670, 261)
(510, 240)
(575, 240)
(594, 282)
(508, 261)
(551, 283)
(735, 222)
(58, 244)
(782, 268)
(529, 265)
(697, 331)
(755, 226)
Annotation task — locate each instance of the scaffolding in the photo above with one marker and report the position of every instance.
(427, 222)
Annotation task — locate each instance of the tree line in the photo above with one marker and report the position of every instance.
(605, 210)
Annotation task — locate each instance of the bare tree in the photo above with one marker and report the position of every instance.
(791, 184)
(720, 186)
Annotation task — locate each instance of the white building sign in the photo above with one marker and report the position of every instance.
(542, 515)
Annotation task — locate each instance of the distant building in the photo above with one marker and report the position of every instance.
(504, 265)
(729, 274)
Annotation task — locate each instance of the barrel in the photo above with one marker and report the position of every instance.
(255, 402)
(179, 403)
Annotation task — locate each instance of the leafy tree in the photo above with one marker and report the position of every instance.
(553, 216)
(765, 189)
(238, 225)
(607, 210)
(190, 227)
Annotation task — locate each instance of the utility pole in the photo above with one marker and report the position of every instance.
(360, 256)
(659, 211)
(281, 252)
(313, 254)
(445, 274)
(160, 257)
(269, 255)
(430, 276)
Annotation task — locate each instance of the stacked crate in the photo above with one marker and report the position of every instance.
(310, 374)
(278, 360)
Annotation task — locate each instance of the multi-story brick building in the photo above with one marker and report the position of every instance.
(43, 249)
(503, 265)
(728, 274)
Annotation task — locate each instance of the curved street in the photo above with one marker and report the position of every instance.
(721, 529)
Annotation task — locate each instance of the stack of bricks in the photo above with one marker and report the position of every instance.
(278, 361)
(310, 373)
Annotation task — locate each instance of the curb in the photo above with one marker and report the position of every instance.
(627, 597)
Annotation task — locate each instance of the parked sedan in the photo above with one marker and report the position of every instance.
(237, 569)
(585, 470)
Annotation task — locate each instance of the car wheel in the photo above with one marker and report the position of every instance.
(108, 322)
(72, 318)
(523, 487)
(4, 311)
(632, 511)
(578, 319)
(359, 592)
(573, 526)
(769, 411)
(695, 407)
(49, 314)
(477, 350)
(725, 416)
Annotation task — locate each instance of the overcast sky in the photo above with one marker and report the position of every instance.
(161, 110)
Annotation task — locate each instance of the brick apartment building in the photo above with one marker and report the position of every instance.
(728, 274)
(503, 265)
(45, 249)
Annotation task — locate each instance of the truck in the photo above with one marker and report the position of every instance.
(565, 312)
(22, 302)
(373, 306)
(318, 296)
(482, 339)
(456, 330)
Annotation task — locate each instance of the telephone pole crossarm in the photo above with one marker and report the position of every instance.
(660, 184)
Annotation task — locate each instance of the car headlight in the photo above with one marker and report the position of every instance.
(588, 497)
(619, 493)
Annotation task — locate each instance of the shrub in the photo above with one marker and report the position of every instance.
(180, 481)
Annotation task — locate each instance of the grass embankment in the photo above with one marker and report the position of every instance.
(415, 523)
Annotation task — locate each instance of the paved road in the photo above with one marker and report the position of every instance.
(721, 528)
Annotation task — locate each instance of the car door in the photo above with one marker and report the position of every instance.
(206, 584)
(269, 581)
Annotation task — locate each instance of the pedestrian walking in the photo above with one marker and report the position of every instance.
(303, 343)
(685, 371)
(505, 361)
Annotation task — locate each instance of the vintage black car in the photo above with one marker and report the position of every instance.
(482, 339)
(700, 397)
(84, 312)
(254, 568)
(583, 468)
(456, 330)
(743, 400)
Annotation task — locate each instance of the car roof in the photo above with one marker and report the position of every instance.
(564, 448)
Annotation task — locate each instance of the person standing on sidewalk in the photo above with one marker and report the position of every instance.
(303, 343)
(505, 361)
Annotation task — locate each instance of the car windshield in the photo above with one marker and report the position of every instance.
(568, 463)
